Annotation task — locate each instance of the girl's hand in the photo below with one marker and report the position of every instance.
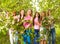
(37, 23)
(27, 26)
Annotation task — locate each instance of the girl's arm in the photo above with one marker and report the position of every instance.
(37, 23)
(27, 26)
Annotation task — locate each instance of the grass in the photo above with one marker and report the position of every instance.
(57, 34)
(4, 39)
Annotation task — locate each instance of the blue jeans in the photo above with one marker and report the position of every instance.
(16, 37)
(52, 35)
(36, 36)
(26, 37)
(16, 40)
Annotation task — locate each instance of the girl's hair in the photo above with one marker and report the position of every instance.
(14, 13)
(44, 13)
(31, 12)
(43, 16)
(35, 16)
(20, 13)
(48, 12)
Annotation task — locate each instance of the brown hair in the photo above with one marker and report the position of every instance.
(44, 13)
(48, 12)
(35, 16)
(20, 13)
(14, 13)
(41, 17)
(31, 12)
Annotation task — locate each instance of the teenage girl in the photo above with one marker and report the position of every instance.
(43, 29)
(27, 25)
(22, 14)
(52, 32)
(15, 35)
(36, 22)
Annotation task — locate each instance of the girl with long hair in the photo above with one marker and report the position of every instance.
(43, 29)
(15, 32)
(36, 22)
(22, 13)
(52, 28)
(27, 25)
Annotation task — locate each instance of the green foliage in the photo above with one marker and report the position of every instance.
(11, 5)
(54, 5)
(17, 5)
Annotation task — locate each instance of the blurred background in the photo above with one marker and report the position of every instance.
(35, 5)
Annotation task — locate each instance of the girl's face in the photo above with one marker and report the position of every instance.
(43, 14)
(14, 13)
(49, 12)
(37, 14)
(29, 12)
(22, 12)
